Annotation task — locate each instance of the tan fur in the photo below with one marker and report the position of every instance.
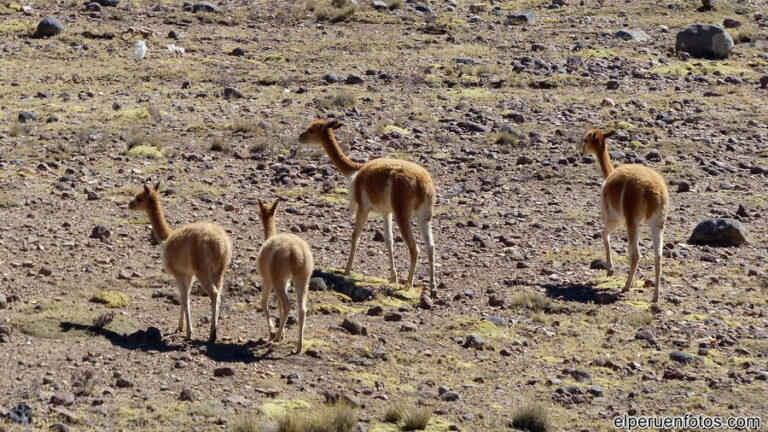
(283, 258)
(386, 186)
(201, 250)
(631, 194)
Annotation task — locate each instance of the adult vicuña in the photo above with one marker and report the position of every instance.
(386, 186)
(283, 257)
(201, 250)
(631, 194)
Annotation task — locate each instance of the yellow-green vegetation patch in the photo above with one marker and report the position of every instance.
(704, 68)
(275, 58)
(638, 304)
(366, 379)
(695, 317)
(392, 128)
(596, 53)
(279, 407)
(616, 282)
(134, 114)
(551, 359)
(336, 196)
(167, 416)
(481, 328)
(59, 320)
(144, 150)
(16, 26)
(111, 299)
(335, 309)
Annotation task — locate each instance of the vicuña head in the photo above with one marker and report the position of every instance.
(199, 250)
(388, 187)
(283, 258)
(631, 194)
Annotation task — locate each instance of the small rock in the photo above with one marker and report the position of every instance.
(223, 372)
(595, 390)
(719, 232)
(393, 316)
(63, 398)
(205, 7)
(598, 264)
(471, 126)
(93, 7)
(683, 186)
(232, 93)
(375, 311)
(612, 85)
(764, 82)
(100, 232)
(474, 341)
(408, 327)
(26, 116)
(645, 335)
(48, 27)
(449, 396)
(632, 35)
(45, 271)
(330, 78)
(59, 427)
(521, 18)
(379, 5)
(237, 52)
(123, 382)
(731, 23)
(683, 357)
(354, 327)
(187, 395)
(317, 284)
(21, 414)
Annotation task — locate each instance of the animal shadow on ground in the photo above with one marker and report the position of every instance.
(144, 341)
(581, 293)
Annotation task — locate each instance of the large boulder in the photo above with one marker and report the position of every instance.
(719, 232)
(48, 27)
(704, 41)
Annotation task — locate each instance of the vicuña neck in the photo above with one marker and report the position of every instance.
(344, 164)
(270, 229)
(157, 219)
(605, 163)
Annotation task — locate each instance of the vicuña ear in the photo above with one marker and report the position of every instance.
(146, 189)
(157, 186)
(333, 124)
(608, 133)
(274, 206)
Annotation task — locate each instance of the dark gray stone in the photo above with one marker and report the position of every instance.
(205, 7)
(48, 27)
(719, 232)
(521, 18)
(26, 116)
(317, 284)
(704, 41)
(683, 357)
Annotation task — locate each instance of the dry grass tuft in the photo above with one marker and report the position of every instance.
(340, 417)
(332, 10)
(534, 302)
(416, 418)
(344, 99)
(245, 423)
(394, 412)
(532, 417)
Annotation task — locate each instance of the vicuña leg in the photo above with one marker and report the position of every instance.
(608, 228)
(634, 252)
(184, 283)
(388, 239)
(266, 290)
(404, 222)
(657, 233)
(301, 285)
(360, 220)
(281, 289)
(426, 233)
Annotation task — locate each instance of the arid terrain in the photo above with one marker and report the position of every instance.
(494, 109)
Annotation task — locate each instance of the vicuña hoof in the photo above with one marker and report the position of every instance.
(610, 272)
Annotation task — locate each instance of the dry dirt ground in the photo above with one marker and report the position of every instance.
(517, 220)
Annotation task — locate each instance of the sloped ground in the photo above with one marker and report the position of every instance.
(517, 220)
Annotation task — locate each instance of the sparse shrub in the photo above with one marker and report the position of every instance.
(332, 10)
(17, 129)
(340, 417)
(243, 126)
(84, 381)
(142, 144)
(532, 417)
(344, 99)
(639, 319)
(394, 413)
(532, 301)
(262, 145)
(416, 418)
(103, 320)
(245, 423)
(505, 139)
(218, 144)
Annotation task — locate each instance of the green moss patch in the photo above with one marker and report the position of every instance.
(279, 407)
(146, 151)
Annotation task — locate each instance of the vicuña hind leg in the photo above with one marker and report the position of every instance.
(184, 283)
(214, 292)
(634, 253)
(610, 226)
(266, 290)
(657, 233)
(301, 285)
(388, 239)
(362, 217)
(426, 233)
(281, 289)
(404, 222)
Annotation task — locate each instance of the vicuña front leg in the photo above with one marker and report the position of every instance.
(657, 233)
(360, 220)
(266, 290)
(610, 226)
(426, 233)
